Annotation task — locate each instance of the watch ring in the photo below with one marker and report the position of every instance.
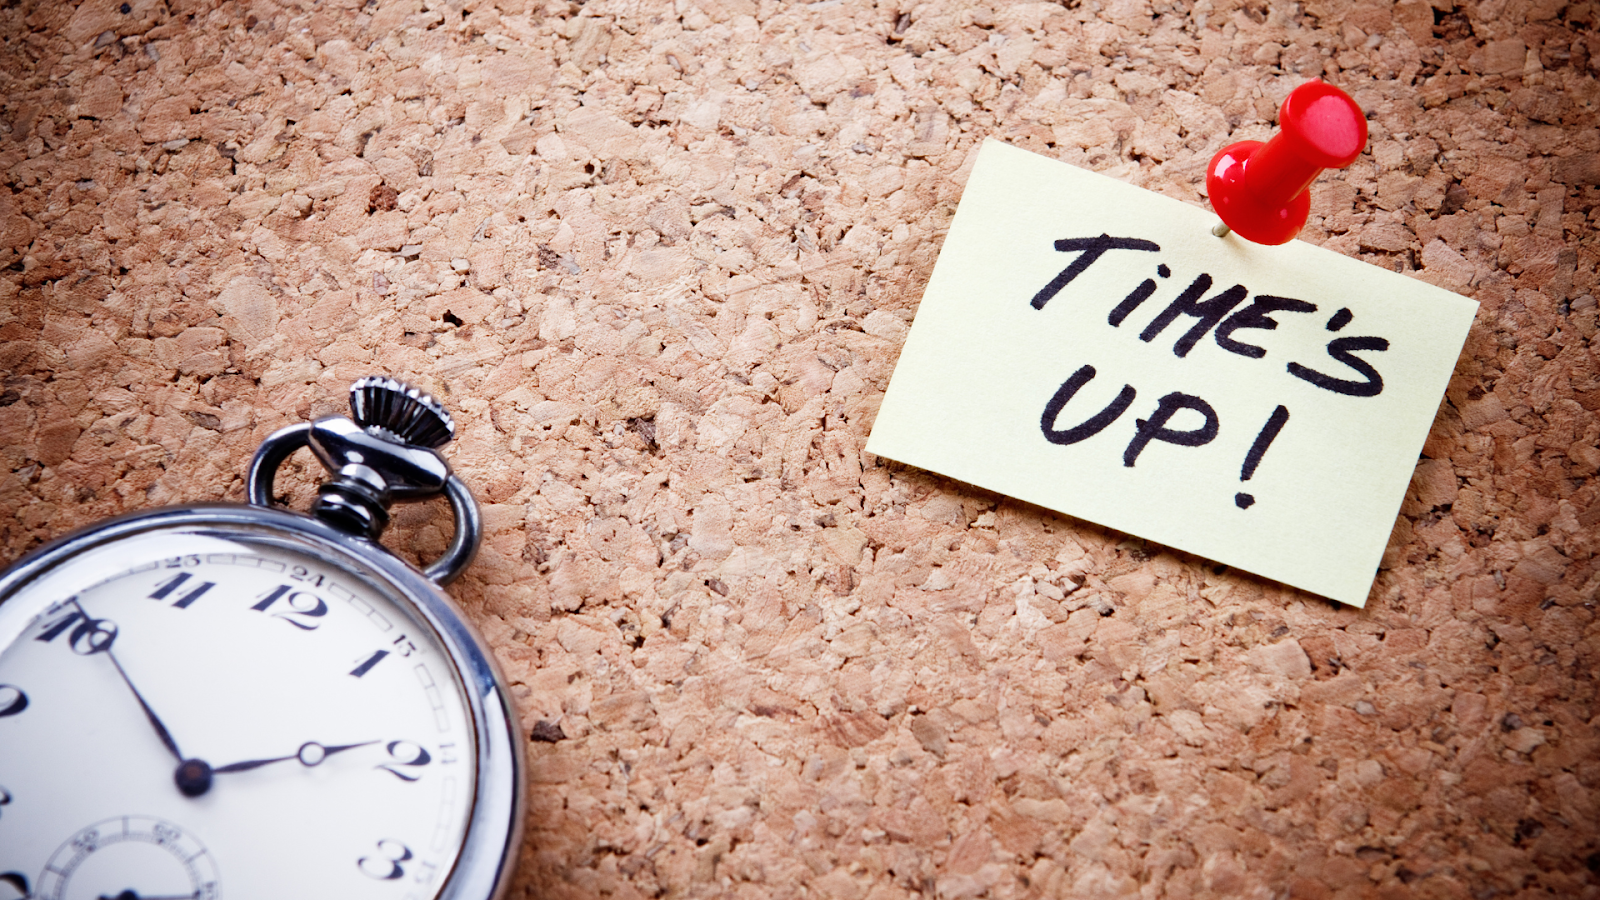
(468, 523)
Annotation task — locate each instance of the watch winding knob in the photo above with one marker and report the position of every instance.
(396, 410)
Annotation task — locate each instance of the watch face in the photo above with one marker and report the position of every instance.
(226, 718)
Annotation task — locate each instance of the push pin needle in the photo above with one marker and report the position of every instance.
(1260, 190)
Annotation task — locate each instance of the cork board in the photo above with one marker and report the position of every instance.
(659, 259)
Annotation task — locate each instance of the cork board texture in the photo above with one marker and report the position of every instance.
(659, 259)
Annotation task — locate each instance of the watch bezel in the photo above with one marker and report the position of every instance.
(493, 837)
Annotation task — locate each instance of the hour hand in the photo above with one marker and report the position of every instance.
(310, 754)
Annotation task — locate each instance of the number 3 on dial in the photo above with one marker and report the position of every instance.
(386, 867)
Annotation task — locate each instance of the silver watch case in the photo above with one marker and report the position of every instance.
(494, 832)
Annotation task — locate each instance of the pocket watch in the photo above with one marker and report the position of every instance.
(243, 701)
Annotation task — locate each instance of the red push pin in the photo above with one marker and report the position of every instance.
(1259, 189)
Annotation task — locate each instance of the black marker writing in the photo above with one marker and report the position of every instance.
(1090, 249)
(1269, 432)
(1136, 297)
(1257, 315)
(1224, 315)
(1209, 312)
(1155, 428)
(1340, 349)
(1093, 425)
(1217, 315)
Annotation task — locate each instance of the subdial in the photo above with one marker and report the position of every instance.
(130, 858)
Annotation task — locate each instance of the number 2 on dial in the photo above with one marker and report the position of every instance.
(407, 754)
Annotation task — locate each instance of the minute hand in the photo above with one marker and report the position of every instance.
(310, 754)
(155, 720)
(90, 622)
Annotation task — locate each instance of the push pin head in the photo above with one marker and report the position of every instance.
(1259, 189)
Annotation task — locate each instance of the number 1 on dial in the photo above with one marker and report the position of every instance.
(366, 665)
(405, 647)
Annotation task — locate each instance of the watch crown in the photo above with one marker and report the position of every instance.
(396, 409)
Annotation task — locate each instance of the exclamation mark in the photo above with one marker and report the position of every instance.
(1275, 424)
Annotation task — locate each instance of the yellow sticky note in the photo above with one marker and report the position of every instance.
(1091, 347)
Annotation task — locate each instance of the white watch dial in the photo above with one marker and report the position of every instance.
(246, 724)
